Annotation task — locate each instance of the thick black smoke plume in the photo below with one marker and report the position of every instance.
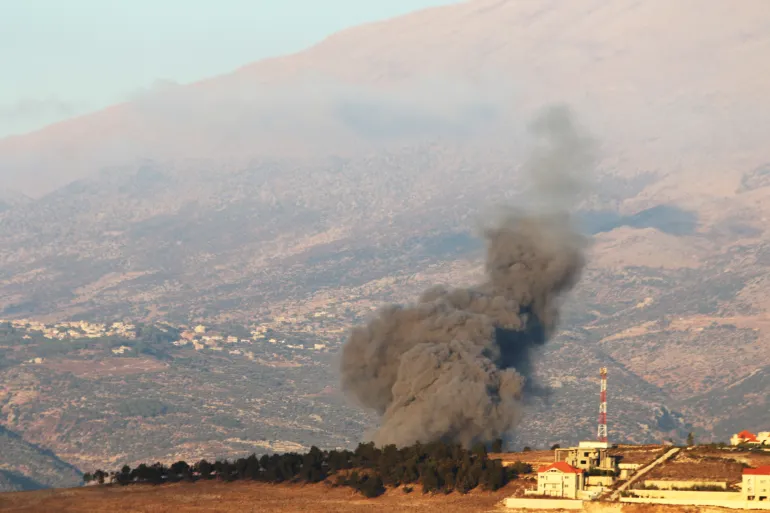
(454, 365)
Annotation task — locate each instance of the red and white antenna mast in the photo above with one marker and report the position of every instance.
(602, 431)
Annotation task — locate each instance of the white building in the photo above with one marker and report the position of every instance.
(747, 437)
(756, 483)
(560, 479)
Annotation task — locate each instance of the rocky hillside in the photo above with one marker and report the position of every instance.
(24, 466)
(354, 173)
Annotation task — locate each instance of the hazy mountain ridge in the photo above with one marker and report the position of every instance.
(704, 93)
(363, 185)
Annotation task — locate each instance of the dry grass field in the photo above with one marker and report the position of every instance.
(243, 497)
(640, 454)
(124, 366)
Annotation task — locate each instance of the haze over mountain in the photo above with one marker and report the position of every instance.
(351, 174)
(683, 80)
(59, 72)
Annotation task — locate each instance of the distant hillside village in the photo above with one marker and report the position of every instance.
(38, 343)
(73, 329)
(324, 324)
(199, 337)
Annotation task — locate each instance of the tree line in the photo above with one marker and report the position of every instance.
(437, 467)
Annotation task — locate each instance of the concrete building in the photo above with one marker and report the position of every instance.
(756, 483)
(588, 455)
(560, 479)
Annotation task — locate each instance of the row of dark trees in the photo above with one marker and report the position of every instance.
(437, 466)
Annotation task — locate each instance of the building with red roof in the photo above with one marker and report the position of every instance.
(764, 470)
(744, 437)
(560, 479)
(561, 466)
(756, 483)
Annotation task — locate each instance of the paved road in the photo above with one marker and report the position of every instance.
(669, 454)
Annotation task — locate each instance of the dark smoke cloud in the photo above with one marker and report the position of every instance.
(455, 365)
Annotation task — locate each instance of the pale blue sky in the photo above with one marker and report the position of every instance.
(60, 58)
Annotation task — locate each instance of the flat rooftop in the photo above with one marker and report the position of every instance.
(591, 444)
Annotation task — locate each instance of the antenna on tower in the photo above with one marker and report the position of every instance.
(602, 431)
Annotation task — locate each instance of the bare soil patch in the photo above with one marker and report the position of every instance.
(106, 367)
(639, 454)
(700, 465)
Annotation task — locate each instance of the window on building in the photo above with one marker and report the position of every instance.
(582, 462)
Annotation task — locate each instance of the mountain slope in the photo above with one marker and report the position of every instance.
(428, 131)
(24, 466)
(332, 181)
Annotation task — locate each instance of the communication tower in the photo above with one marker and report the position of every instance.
(602, 431)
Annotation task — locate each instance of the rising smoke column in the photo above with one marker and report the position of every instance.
(455, 365)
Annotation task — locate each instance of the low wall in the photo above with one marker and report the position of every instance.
(589, 494)
(668, 485)
(630, 502)
(599, 480)
(687, 495)
(518, 503)
(732, 504)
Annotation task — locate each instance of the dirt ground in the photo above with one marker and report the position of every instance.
(690, 469)
(243, 497)
(640, 454)
(124, 366)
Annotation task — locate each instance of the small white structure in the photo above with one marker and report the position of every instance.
(756, 484)
(626, 470)
(560, 479)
